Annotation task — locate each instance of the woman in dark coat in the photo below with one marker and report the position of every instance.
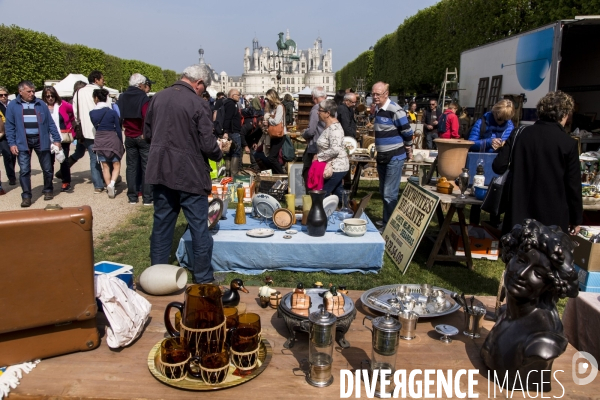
(545, 182)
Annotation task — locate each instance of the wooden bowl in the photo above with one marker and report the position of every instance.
(283, 218)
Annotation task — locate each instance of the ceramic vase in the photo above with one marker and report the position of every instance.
(306, 204)
(290, 201)
(452, 156)
(316, 223)
(163, 279)
(240, 211)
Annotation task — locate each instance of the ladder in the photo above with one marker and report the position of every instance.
(449, 85)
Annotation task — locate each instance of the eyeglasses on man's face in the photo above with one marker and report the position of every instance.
(433, 104)
(3, 95)
(378, 94)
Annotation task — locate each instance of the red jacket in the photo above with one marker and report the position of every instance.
(451, 126)
(66, 111)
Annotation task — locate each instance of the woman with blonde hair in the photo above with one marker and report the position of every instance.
(493, 128)
(274, 115)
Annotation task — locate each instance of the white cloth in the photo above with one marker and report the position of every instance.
(86, 104)
(12, 376)
(125, 310)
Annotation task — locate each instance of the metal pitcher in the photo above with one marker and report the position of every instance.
(385, 334)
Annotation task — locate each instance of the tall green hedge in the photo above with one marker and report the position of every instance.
(36, 56)
(416, 55)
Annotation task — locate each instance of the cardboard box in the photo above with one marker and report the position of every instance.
(586, 254)
(483, 243)
(588, 281)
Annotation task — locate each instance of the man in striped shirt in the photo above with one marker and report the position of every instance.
(30, 128)
(393, 138)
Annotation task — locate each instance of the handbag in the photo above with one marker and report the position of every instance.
(276, 131)
(493, 202)
(77, 128)
(66, 137)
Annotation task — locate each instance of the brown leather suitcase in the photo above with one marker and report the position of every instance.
(47, 281)
(48, 341)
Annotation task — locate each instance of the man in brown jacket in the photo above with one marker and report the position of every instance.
(179, 127)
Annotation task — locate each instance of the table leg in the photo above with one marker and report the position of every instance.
(465, 237)
(356, 179)
(442, 234)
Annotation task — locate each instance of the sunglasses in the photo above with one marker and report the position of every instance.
(432, 104)
(3, 95)
(49, 96)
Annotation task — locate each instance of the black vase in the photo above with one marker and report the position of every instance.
(316, 223)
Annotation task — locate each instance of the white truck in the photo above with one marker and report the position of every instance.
(564, 55)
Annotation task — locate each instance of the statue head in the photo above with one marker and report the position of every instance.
(539, 263)
(333, 290)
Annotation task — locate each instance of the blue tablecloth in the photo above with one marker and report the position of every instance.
(335, 252)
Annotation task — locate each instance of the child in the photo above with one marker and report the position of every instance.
(108, 142)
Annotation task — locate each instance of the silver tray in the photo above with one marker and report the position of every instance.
(384, 293)
(315, 302)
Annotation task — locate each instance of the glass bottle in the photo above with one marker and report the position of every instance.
(240, 212)
(478, 179)
(346, 211)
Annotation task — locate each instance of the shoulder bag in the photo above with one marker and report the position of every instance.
(493, 202)
(277, 131)
(77, 128)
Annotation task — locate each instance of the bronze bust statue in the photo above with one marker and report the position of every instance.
(528, 334)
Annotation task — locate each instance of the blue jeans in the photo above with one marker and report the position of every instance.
(389, 184)
(237, 139)
(167, 204)
(334, 185)
(95, 168)
(24, 159)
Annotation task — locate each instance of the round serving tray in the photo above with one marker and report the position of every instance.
(265, 353)
(383, 293)
(315, 301)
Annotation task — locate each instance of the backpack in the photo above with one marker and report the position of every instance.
(219, 122)
(441, 126)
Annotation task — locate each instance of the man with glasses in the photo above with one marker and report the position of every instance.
(9, 158)
(393, 138)
(29, 127)
(345, 114)
(232, 127)
(179, 127)
(430, 120)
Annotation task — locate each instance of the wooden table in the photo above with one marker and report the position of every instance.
(451, 203)
(361, 162)
(123, 373)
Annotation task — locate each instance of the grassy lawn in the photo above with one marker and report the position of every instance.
(130, 244)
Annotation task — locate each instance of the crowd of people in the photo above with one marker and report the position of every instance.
(48, 126)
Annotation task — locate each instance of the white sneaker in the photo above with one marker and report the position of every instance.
(111, 192)
(379, 223)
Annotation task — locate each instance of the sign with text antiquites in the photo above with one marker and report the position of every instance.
(407, 225)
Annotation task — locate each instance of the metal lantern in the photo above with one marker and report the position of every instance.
(385, 342)
(320, 350)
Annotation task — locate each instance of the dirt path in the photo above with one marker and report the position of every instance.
(108, 213)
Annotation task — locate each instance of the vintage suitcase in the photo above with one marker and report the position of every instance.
(47, 280)
(48, 341)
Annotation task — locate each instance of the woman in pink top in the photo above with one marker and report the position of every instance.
(452, 124)
(62, 114)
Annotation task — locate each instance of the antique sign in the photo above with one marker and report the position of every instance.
(408, 222)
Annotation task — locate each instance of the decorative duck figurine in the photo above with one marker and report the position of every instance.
(231, 297)
(265, 292)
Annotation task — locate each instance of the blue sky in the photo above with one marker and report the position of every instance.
(169, 33)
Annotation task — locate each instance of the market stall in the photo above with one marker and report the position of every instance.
(235, 251)
(125, 374)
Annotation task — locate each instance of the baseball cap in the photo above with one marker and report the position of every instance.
(149, 82)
